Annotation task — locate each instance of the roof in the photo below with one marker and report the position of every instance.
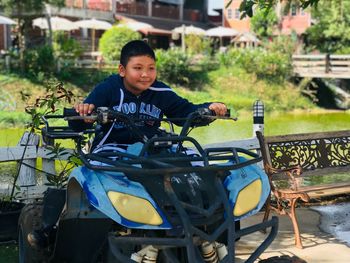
(161, 23)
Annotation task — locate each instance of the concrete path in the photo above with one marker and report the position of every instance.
(319, 247)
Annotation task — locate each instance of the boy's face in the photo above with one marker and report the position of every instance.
(139, 74)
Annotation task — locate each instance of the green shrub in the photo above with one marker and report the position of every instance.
(66, 47)
(173, 66)
(114, 39)
(229, 57)
(265, 64)
(197, 44)
(39, 62)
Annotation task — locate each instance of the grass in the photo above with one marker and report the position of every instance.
(230, 85)
(8, 253)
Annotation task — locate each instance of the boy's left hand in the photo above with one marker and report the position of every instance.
(220, 109)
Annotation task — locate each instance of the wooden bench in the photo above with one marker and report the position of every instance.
(297, 156)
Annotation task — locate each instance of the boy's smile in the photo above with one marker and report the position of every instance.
(139, 74)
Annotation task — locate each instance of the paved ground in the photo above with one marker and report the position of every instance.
(319, 247)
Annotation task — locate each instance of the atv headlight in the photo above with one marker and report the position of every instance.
(248, 198)
(135, 209)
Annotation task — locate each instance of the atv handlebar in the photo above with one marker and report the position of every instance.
(103, 115)
(132, 164)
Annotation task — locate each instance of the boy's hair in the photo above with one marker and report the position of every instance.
(135, 48)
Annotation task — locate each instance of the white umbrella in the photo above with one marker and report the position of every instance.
(185, 30)
(135, 25)
(57, 23)
(6, 21)
(189, 30)
(221, 31)
(246, 37)
(93, 24)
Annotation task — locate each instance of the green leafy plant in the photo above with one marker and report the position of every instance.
(39, 62)
(47, 104)
(58, 152)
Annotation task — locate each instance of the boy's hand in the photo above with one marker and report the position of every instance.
(220, 109)
(84, 109)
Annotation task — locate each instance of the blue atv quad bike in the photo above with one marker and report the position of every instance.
(164, 200)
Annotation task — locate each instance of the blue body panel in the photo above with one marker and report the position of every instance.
(96, 185)
(240, 178)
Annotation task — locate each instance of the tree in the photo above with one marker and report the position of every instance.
(263, 23)
(25, 11)
(114, 39)
(247, 6)
(331, 32)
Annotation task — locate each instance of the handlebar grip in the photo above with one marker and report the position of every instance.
(208, 112)
(69, 112)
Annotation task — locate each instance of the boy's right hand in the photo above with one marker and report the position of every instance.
(84, 109)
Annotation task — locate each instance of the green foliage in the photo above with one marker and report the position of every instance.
(270, 65)
(238, 89)
(263, 23)
(39, 62)
(55, 94)
(197, 44)
(57, 152)
(247, 7)
(114, 39)
(331, 33)
(13, 119)
(65, 46)
(24, 11)
(173, 66)
(284, 45)
(28, 5)
(7, 102)
(47, 104)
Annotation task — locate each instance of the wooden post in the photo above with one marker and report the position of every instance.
(8, 62)
(328, 63)
(59, 65)
(26, 175)
(48, 164)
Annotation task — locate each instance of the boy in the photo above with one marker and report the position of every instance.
(135, 91)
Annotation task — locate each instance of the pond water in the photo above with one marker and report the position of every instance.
(220, 131)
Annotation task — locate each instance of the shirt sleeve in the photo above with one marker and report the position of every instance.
(101, 96)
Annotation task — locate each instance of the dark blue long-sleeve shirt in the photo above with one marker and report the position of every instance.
(155, 102)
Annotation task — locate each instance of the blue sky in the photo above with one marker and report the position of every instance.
(214, 4)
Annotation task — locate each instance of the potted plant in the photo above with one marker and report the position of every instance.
(11, 204)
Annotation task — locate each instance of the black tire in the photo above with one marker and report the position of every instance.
(30, 219)
(283, 259)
